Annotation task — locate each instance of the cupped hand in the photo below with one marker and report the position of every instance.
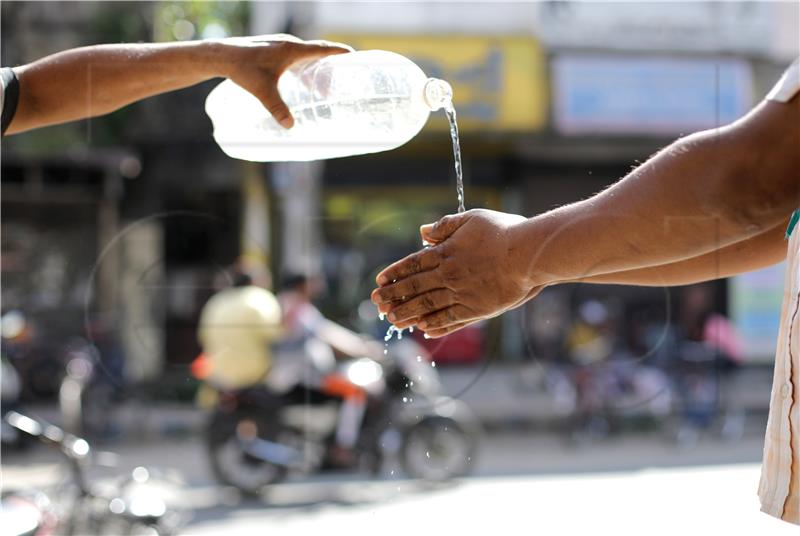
(472, 270)
(256, 63)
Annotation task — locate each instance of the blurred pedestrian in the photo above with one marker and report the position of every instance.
(96, 80)
(711, 205)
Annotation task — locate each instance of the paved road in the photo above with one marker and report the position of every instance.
(524, 483)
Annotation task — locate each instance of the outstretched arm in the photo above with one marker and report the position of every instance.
(757, 252)
(95, 80)
(702, 193)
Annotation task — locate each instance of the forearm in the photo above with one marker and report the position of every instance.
(754, 253)
(91, 81)
(700, 194)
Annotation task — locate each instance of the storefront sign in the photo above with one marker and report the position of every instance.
(647, 95)
(498, 82)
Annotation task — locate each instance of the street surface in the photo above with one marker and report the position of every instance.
(524, 483)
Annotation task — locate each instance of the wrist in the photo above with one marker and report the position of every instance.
(545, 258)
(217, 56)
(523, 255)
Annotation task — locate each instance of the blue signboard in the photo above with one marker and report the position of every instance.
(648, 95)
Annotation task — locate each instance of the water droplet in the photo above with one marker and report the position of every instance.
(385, 351)
(428, 454)
(405, 399)
(426, 335)
(382, 316)
(419, 358)
(411, 329)
(433, 364)
(410, 383)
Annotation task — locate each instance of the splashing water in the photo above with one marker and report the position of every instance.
(451, 117)
(391, 331)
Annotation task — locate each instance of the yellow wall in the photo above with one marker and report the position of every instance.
(498, 82)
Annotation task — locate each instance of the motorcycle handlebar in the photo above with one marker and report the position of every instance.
(75, 448)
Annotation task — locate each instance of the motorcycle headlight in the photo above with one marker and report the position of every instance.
(364, 372)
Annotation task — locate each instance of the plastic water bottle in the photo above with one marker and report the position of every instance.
(347, 104)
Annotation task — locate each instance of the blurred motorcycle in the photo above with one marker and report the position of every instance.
(9, 397)
(134, 504)
(256, 438)
(86, 397)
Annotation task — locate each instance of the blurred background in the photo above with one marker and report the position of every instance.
(117, 230)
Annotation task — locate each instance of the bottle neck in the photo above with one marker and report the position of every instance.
(437, 94)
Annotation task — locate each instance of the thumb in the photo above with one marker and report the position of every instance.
(272, 101)
(433, 233)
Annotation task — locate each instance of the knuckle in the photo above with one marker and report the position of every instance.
(443, 250)
(414, 264)
(427, 302)
(401, 312)
(385, 294)
(414, 285)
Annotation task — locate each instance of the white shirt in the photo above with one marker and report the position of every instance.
(779, 488)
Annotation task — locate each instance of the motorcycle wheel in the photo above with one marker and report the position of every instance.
(437, 449)
(229, 463)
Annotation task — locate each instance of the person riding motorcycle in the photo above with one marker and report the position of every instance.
(237, 328)
(306, 355)
(249, 338)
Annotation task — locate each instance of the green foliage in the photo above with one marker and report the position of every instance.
(197, 19)
(122, 22)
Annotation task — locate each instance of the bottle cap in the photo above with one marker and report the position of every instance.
(438, 94)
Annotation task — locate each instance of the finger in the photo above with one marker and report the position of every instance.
(331, 44)
(422, 305)
(439, 333)
(271, 38)
(404, 289)
(268, 94)
(309, 50)
(409, 323)
(433, 233)
(443, 318)
(421, 261)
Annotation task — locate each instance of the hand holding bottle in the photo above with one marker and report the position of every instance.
(256, 63)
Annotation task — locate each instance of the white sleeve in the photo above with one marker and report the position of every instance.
(788, 85)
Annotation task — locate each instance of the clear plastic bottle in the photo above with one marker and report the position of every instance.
(347, 104)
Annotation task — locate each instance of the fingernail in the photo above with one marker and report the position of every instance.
(422, 325)
(286, 122)
(382, 280)
(392, 317)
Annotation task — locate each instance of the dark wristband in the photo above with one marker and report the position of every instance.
(10, 97)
